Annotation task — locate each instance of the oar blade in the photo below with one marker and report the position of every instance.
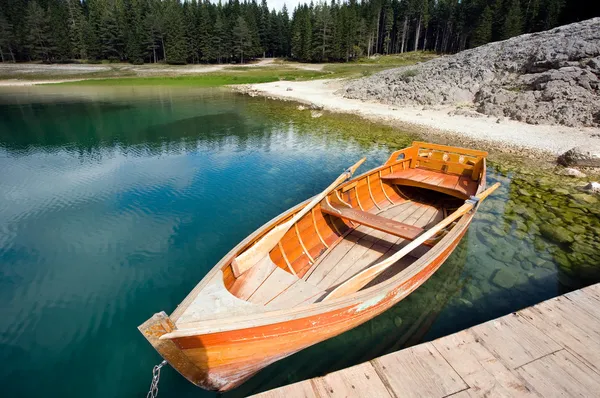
(257, 252)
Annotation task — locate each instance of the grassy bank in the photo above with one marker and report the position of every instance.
(205, 75)
(225, 77)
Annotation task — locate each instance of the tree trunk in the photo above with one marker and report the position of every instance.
(162, 40)
(404, 27)
(425, 38)
(1, 54)
(377, 36)
(417, 34)
(324, 34)
(437, 36)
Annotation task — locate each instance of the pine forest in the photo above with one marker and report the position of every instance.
(192, 31)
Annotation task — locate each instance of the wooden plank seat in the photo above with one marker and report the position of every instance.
(374, 221)
(460, 186)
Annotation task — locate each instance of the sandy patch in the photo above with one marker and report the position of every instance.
(554, 139)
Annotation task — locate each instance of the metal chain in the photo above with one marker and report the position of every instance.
(153, 393)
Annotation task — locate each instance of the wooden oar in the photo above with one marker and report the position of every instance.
(260, 249)
(361, 279)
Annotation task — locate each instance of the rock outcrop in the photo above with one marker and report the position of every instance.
(550, 77)
(587, 156)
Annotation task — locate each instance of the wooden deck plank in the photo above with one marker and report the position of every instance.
(419, 371)
(550, 349)
(573, 337)
(514, 340)
(561, 375)
(479, 368)
(303, 389)
(357, 381)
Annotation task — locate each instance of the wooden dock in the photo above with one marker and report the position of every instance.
(550, 349)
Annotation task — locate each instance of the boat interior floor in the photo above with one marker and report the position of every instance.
(268, 287)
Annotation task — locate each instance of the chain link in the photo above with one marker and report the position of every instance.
(153, 393)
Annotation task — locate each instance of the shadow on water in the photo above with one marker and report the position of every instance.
(117, 211)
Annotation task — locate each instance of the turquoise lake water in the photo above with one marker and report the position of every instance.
(114, 203)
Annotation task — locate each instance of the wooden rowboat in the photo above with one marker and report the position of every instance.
(369, 243)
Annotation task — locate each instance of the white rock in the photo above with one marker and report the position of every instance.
(571, 173)
(592, 187)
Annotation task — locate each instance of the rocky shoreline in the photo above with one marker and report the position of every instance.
(550, 77)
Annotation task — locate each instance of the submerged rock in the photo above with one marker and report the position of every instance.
(556, 233)
(504, 278)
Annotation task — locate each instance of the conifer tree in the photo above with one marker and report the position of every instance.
(483, 32)
(6, 40)
(241, 38)
(39, 39)
(513, 23)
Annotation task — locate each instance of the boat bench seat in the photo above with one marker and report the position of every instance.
(460, 186)
(374, 221)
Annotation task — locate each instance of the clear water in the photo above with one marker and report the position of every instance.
(115, 202)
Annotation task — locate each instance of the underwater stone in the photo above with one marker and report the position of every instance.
(539, 244)
(526, 265)
(503, 254)
(497, 231)
(583, 197)
(577, 229)
(504, 278)
(560, 191)
(398, 321)
(465, 302)
(556, 233)
(486, 217)
(523, 192)
(580, 247)
(562, 260)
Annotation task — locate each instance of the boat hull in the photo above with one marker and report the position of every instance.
(222, 361)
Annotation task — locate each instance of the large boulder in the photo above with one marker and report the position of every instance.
(587, 156)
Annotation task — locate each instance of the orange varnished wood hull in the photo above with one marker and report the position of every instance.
(220, 354)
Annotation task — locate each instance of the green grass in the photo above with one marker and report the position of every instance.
(238, 76)
(281, 71)
(369, 66)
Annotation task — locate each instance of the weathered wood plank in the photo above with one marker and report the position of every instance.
(357, 381)
(576, 340)
(514, 340)
(303, 389)
(561, 375)
(419, 371)
(479, 368)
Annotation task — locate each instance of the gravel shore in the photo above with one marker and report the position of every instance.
(445, 120)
